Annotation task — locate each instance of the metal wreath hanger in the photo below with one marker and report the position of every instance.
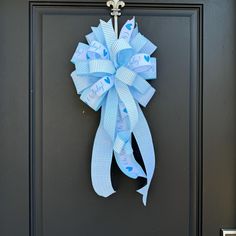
(116, 11)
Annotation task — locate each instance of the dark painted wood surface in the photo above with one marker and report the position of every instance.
(14, 118)
(46, 150)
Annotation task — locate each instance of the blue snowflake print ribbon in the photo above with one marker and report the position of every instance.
(111, 73)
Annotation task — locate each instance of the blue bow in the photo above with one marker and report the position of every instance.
(112, 74)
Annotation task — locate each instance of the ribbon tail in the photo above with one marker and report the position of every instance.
(129, 166)
(127, 98)
(144, 140)
(101, 161)
(110, 113)
(123, 149)
(144, 191)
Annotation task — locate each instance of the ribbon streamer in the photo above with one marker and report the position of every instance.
(111, 73)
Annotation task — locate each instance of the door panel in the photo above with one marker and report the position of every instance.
(47, 132)
(63, 127)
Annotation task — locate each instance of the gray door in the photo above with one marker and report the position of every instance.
(47, 133)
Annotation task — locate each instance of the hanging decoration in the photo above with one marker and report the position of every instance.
(111, 73)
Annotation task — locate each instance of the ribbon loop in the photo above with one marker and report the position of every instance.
(102, 85)
(82, 82)
(101, 67)
(80, 53)
(140, 62)
(97, 31)
(127, 29)
(143, 99)
(152, 72)
(108, 32)
(82, 67)
(121, 52)
(89, 97)
(96, 51)
(142, 45)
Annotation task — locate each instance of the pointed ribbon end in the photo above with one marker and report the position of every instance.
(144, 191)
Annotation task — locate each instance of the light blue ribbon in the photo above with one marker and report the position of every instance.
(112, 74)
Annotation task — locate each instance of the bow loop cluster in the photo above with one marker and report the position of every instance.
(112, 73)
